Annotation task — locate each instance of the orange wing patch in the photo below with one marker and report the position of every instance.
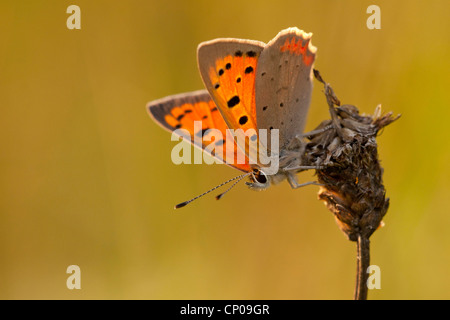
(181, 111)
(233, 79)
(183, 117)
(299, 47)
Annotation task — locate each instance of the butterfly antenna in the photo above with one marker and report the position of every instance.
(239, 178)
(218, 197)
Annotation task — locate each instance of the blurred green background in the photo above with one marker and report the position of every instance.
(87, 178)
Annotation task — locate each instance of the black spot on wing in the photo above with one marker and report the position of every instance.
(233, 101)
(243, 120)
(219, 142)
(201, 133)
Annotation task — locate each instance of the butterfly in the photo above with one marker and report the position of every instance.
(250, 85)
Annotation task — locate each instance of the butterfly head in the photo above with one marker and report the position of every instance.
(259, 180)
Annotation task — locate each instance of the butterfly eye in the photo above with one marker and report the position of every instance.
(259, 180)
(259, 176)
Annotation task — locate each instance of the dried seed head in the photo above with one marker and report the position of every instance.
(352, 180)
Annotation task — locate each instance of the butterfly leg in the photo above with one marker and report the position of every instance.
(312, 133)
(298, 168)
(297, 141)
(292, 179)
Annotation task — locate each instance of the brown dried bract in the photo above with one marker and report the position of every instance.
(352, 179)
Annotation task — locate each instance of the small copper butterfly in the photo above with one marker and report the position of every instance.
(249, 85)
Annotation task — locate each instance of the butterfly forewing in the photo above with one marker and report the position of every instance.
(284, 84)
(180, 111)
(228, 68)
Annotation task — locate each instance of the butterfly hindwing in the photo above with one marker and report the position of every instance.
(181, 110)
(284, 83)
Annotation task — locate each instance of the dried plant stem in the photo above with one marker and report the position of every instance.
(350, 174)
(362, 263)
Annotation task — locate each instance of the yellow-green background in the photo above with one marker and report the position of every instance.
(87, 179)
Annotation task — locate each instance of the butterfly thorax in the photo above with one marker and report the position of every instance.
(291, 157)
